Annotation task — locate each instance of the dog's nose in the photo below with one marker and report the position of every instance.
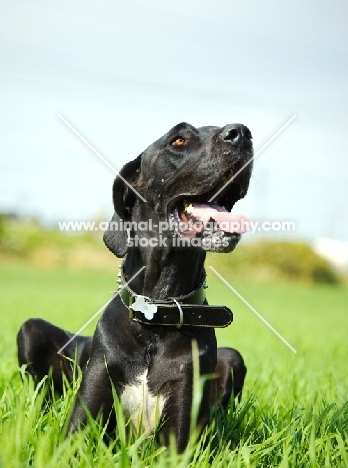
(237, 135)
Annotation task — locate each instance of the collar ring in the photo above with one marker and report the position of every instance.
(181, 316)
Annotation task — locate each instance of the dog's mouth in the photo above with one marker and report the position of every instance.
(207, 217)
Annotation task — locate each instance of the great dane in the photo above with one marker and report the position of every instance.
(172, 205)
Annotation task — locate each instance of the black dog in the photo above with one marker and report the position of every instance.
(143, 341)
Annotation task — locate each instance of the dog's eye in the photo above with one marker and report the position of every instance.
(178, 142)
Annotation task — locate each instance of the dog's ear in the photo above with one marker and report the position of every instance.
(123, 196)
(115, 237)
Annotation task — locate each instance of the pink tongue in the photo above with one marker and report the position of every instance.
(228, 222)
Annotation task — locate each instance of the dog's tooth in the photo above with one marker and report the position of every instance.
(189, 208)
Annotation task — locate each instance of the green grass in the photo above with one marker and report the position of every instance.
(294, 410)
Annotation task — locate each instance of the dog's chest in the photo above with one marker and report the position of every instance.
(140, 405)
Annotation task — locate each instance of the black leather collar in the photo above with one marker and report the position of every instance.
(174, 311)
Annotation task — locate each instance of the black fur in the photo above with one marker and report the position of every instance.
(164, 174)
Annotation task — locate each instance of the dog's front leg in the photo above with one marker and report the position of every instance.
(178, 412)
(94, 396)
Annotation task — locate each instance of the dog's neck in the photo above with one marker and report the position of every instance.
(168, 273)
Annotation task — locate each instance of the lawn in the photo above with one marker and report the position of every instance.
(294, 410)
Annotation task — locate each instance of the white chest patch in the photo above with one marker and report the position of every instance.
(142, 407)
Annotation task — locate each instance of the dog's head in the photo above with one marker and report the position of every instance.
(190, 178)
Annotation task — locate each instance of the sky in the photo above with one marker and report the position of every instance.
(124, 72)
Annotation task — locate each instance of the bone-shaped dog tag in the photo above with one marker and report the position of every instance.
(141, 305)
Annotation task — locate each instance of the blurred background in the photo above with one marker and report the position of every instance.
(123, 73)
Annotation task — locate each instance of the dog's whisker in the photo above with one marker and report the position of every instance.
(253, 157)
